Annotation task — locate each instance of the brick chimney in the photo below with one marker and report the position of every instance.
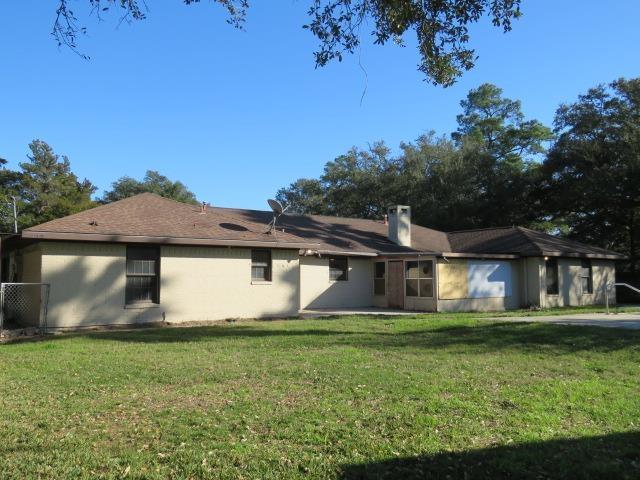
(400, 224)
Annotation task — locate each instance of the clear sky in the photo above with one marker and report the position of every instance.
(236, 115)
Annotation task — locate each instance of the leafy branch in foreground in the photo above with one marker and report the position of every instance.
(66, 28)
(441, 26)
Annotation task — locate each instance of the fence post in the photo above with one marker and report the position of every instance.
(1, 306)
(44, 306)
(606, 297)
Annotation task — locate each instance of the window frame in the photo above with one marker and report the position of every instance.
(556, 270)
(345, 270)
(155, 290)
(419, 278)
(376, 278)
(585, 264)
(268, 278)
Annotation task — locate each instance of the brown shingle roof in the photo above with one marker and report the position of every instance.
(159, 219)
(521, 241)
(346, 234)
(150, 215)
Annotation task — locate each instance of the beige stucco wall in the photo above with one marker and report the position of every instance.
(196, 283)
(533, 281)
(317, 291)
(570, 290)
(201, 283)
(30, 265)
(87, 285)
(453, 291)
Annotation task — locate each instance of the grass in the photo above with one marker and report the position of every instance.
(423, 397)
(561, 311)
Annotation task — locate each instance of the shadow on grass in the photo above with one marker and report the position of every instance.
(526, 336)
(483, 336)
(198, 334)
(609, 456)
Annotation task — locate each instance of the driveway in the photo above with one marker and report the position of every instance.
(629, 321)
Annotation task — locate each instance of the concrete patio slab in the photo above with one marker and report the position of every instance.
(331, 312)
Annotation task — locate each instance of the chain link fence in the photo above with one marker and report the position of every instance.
(24, 305)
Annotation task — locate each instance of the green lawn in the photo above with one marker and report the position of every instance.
(421, 397)
(614, 309)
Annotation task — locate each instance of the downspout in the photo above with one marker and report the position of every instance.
(542, 299)
(525, 267)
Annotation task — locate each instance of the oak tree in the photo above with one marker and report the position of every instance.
(441, 27)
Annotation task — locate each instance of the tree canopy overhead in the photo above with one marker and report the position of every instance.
(441, 27)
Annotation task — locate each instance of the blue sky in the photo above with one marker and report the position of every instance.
(236, 115)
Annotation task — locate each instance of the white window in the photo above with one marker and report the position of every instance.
(379, 281)
(586, 276)
(418, 278)
(551, 268)
(261, 265)
(338, 269)
(143, 275)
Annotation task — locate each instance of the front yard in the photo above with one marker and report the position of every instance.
(329, 398)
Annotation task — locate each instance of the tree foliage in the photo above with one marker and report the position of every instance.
(45, 188)
(440, 26)
(501, 147)
(304, 196)
(592, 172)
(479, 177)
(9, 190)
(152, 182)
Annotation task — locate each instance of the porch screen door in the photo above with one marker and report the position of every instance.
(396, 284)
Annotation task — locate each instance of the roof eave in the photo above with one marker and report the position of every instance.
(480, 255)
(115, 238)
(603, 256)
(348, 253)
(408, 254)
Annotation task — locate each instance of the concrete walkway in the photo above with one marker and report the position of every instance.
(331, 312)
(629, 321)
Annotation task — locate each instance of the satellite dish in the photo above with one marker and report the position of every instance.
(276, 206)
(278, 210)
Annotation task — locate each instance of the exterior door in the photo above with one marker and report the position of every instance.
(396, 284)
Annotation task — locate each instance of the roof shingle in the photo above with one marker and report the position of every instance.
(149, 215)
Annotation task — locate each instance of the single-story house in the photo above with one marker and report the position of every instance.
(147, 258)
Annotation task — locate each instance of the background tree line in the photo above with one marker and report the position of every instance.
(45, 188)
(580, 179)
